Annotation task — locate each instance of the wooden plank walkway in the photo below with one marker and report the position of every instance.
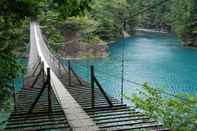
(119, 117)
(40, 118)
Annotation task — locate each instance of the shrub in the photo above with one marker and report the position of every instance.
(178, 112)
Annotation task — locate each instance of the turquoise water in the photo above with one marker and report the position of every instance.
(19, 80)
(158, 59)
(3, 117)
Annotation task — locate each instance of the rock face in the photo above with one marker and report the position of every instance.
(74, 47)
(189, 40)
(71, 44)
(125, 34)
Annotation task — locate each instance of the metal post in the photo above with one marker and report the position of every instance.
(24, 81)
(122, 72)
(36, 66)
(49, 89)
(41, 72)
(122, 87)
(92, 85)
(103, 92)
(59, 66)
(14, 94)
(42, 68)
(69, 73)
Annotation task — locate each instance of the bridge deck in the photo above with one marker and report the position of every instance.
(118, 117)
(40, 118)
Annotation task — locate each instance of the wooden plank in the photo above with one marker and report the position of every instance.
(76, 116)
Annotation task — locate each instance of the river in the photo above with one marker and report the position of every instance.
(156, 58)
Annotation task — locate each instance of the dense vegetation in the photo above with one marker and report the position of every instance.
(105, 21)
(177, 112)
(179, 16)
(113, 17)
(14, 20)
(184, 17)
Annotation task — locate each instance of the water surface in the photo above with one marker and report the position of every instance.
(158, 59)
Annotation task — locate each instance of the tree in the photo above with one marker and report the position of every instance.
(113, 16)
(157, 16)
(177, 112)
(70, 8)
(178, 16)
(184, 17)
(14, 18)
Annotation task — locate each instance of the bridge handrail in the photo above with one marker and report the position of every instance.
(76, 116)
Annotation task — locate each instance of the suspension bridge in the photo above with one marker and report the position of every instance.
(55, 97)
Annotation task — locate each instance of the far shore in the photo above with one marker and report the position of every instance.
(151, 30)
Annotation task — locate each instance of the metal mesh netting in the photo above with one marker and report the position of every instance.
(33, 58)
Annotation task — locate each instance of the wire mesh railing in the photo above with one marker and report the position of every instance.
(111, 82)
(61, 93)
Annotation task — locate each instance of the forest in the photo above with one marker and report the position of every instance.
(106, 20)
(82, 25)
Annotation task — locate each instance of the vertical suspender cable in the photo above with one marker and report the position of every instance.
(122, 65)
(88, 72)
(92, 86)
(14, 94)
(123, 46)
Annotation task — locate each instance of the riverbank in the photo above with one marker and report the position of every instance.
(190, 46)
(184, 44)
(82, 50)
(151, 30)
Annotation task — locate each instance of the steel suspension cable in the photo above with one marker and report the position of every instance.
(105, 74)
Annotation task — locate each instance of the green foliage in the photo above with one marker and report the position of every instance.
(179, 16)
(52, 26)
(15, 10)
(87, 28)
(12, 35)
(106, 19)
(14, 15)
(156, 17)
(8, 72)
(93, 39)
(177, 113)
(86, 24)
(58, 13)
(184, 17)
(70, 8)
(113, 16)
